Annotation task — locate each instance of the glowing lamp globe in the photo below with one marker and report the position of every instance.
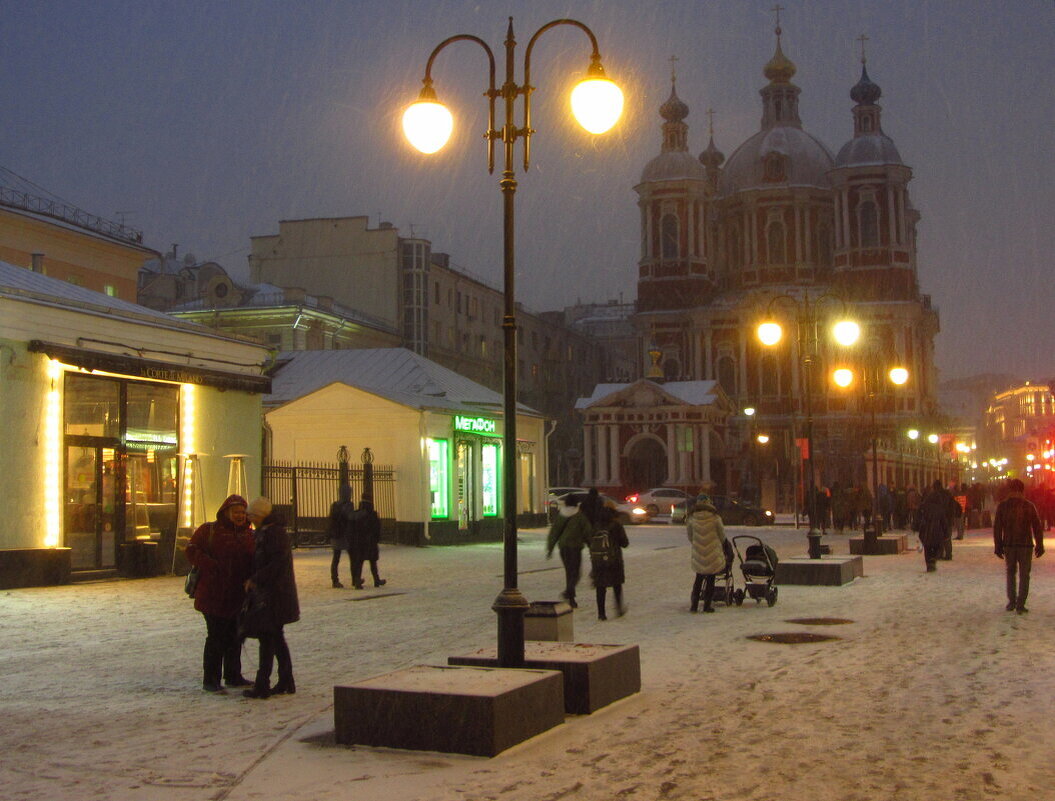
(769, 333)
(846, 332)
(843, 377)
(932, 439)
(912, 433)
(898, 375)
(763, 439)
(597, 104)
(427, 125)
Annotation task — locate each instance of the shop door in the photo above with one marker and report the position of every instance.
(93, 501)
(465, 487)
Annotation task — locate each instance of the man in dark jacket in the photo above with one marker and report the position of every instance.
(1018, 536)
(341, 512)
(932, 519)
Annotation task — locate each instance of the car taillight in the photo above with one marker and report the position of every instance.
(631, 498)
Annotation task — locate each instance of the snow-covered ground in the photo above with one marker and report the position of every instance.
(933, 692)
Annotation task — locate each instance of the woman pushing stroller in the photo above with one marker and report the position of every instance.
(705, 532)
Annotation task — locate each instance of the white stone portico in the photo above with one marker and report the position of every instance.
(644, 434)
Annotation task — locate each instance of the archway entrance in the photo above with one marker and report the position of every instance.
(646, 464)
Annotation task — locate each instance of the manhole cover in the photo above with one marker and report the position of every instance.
(819, 621)
(792, 637)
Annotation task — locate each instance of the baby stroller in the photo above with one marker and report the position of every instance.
(758, 563)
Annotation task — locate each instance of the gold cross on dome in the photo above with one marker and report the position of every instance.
(862, 39)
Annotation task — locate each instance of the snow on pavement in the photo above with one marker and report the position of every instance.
(933, 692)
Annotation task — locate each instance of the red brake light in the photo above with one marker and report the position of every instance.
(631, 498)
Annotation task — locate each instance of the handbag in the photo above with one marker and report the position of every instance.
(255, 617)
(190, 585)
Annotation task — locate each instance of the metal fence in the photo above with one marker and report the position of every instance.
(304, 491)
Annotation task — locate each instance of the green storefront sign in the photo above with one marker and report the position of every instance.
(476, 425)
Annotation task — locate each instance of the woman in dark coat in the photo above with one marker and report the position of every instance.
(363, 543)
(606, 560)
(272, 589)
(933, 524)
(223, 553)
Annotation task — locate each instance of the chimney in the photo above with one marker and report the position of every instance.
(38, 263)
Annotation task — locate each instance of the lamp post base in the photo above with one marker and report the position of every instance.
(814, 539)
(510, 606)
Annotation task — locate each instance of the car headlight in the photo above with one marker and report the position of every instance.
(637, 510)
(768, 513)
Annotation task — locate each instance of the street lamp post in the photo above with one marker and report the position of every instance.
(845, 332)
(597, 104)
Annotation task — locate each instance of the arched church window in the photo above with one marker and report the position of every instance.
(824, 246)
(868, 222)
(736, 250)
(727, 374)
(669, 236)
(770, 375)
(774, 168)
(775, 242)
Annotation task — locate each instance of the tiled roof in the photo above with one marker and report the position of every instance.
(398, 374)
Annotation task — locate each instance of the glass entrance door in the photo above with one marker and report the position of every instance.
(92, 501)
(465, 486)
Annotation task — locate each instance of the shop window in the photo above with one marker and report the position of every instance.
(93, 406)
(439, 476)
(489, 479)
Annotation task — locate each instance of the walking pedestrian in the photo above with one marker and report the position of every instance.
(1018, 536)
(223, 553)
(569, 533)
(707, 535)
(364, 540)
(273, 586)
(606, 561)
(340, 522)
(932, 523)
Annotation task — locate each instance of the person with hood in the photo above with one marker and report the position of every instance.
(364, 538)
(707, 535)
(932, 524)
(569, 533)
(341, 512)
(1018, 536)
(606, 561)
(223, 553)
(272, 589)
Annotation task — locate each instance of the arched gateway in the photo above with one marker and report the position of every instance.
(647, 434)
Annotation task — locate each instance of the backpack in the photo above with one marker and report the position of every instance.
(601, 546)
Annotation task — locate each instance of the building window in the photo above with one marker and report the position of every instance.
(736, 251)
(110, 290)
(75, 280)
(775, 242)
(669, 236)
(868, 220)
(824, 246)
(439, 466)
(727, 374)
(436, 287)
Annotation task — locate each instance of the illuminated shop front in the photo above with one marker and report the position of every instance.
(440, 432)
(98, 433)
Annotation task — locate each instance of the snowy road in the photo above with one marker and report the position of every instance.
(933, 692)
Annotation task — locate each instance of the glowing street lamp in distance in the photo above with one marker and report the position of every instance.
(846, 332)
(912, 433)
(898, 375)
(762, 439)
(843, 377)
(770, 332)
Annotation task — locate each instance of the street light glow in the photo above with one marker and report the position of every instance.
(843, 377)
(932, 439)
(763, 439)
(427, 124)
(749, 411)
(770, 332)
(898, 375)
(912, 433)
(597, 104)
(846, 332)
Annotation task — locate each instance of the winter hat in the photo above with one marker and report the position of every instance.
(259, 506)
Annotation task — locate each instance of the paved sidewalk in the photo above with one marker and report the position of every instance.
(931, 692)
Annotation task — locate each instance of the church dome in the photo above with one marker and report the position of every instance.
(712, 157)
(872, 149)
(673, 166)
(780, 68)
(865, 92)
(806, 161)
(674, 110)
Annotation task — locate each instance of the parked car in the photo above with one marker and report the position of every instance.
(625, 512)
(732, 511)
(659, 500)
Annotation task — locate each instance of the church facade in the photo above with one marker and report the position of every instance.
(781, 230)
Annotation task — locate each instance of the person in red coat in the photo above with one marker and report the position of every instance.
(223, 553)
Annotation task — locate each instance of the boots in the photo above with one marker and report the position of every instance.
(694, 605)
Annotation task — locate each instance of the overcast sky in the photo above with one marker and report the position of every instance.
(205, 123)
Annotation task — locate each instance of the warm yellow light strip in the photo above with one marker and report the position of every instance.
(188, 413)
(53, 457)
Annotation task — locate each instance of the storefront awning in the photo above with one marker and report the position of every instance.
(150, 369)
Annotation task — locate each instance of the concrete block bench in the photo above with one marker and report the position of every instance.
(460, 710)
(827, 571)
(594, 675)
(885, 544)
